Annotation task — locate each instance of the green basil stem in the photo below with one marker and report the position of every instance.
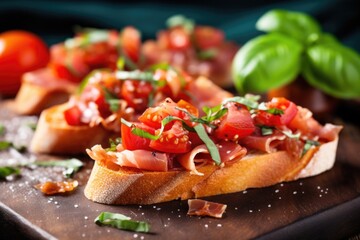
(135, 75)
(122, 222)
(71, 165)
(7, 171)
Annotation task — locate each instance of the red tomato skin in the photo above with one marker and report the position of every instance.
(235, 124)
(136, 94)
(20, 52)
(73, 116)
(207, 37)
(289, 108)
(174, 140)
(131, 43)
(131, 141)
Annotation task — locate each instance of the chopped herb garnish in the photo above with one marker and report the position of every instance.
(7, 171)
(180, 20)
(122, 222)
(71, 165)
(207, 54)
(32, 126)
(289, 134)
(213, 113)
(135, 75)
(214, 151)
(2, 129)
(251, 101)
(265, 131)
(309, 144)
(120, 64)
(112, 100)
(5, 145)
(113, 144)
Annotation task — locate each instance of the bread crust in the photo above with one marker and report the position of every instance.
(54, 135)
(40, 90)
(117, 185)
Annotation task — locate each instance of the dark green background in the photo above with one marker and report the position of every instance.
(54, 20)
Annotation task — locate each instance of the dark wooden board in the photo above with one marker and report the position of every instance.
(325, 206)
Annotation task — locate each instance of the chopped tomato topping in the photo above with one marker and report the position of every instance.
(131, 141)
(207, 37)
(72, 116)
(280, 112)
(235, 124)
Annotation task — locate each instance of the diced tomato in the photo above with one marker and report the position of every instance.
(174, 140)
(288, 109)
(235, 124)
(177, 39)
(136, 94)
(72, 116)
(207, 37)
(131, 141)
(131, 43)
(94, 93)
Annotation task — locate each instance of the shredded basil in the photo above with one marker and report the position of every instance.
(251, 101)
(308, 145)
(135, 75)
(120, 63)
(265, 131)
(180, 20)
(213, 113)
(2, 129)
(112, 100)
(5, 145)
(214, 151)
(122, 222)
(207, 54)
(289, 134)
(7, 171)
(113, 144)
(71, 165)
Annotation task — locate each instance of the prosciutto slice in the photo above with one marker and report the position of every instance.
(229, 152)
(141, 159)
(264, 143)
(200, 207)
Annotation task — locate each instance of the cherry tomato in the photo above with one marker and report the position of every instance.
(235, 124)
(131, 43)
(207, 37)
(131, 141)
(174, 140)
(288, 112)
(136, 94)
(20, 52)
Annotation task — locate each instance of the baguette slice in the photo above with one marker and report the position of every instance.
(112, 184)
(40, 90)
(54, 135)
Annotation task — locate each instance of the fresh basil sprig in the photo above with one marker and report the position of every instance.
(71, 165)
(295, 45)
(7, 171)
(2, 129)
(122, 222)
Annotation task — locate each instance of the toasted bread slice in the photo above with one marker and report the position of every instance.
(112, 184)
(39, 90)
(54, 135)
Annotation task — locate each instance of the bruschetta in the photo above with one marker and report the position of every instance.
(71, 61)
(107, 96)
(175, 152)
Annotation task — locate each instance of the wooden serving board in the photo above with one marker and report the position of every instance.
(326, 206)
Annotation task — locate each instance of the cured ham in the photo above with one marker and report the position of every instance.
(263, 143)
(229, 152)
(200, 207)
(141, 159)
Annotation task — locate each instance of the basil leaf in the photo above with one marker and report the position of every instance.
(71, 166)
(7, 171)
(211, 146)
(334, 69)
(266, 62)
(112, 100)
(251, 101)
(113, 144)
(180, 20)
(2, 129)
(207, 54)
(135, 75)
(296, 25)
(308, 145)
(266, 131)
(4, 145)
(122, 222)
